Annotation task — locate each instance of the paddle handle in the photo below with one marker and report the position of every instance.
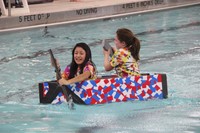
(54, 63)
(107, 46)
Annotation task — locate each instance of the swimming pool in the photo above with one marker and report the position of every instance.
(169, 44)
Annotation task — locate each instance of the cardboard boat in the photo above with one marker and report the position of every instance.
(107, 89)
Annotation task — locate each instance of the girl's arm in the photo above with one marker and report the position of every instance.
(107, 65)
(84, 76)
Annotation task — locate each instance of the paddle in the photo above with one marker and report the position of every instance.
(58, 76)
(106, 47)
(54, 64)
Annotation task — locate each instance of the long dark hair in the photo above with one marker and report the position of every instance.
(132, 43)
(74, 66)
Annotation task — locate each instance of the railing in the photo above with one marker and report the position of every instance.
(7, 10)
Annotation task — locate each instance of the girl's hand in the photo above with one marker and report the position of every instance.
(63, 81)
(114, 48)
(105, 52)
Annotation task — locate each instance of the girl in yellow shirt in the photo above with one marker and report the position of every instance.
(126, 56)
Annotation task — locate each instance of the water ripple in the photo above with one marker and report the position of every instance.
(62, 49)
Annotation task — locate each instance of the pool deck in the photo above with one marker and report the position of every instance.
(64, 11)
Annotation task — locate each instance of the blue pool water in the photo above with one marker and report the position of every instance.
(170, 43)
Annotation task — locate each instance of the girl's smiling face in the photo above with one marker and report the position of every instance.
(79, 55)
